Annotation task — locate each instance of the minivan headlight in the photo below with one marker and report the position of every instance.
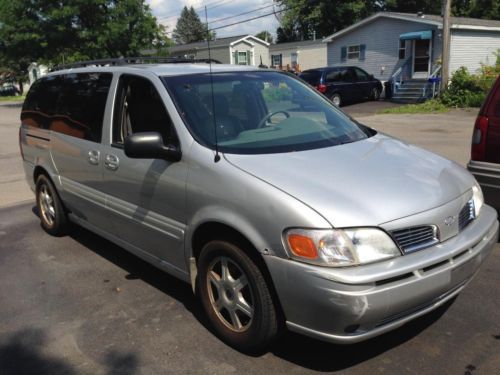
(477, 198)
(340, 247)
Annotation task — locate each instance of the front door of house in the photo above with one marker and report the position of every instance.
(421, 58)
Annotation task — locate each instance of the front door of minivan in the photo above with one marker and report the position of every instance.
(145, 196)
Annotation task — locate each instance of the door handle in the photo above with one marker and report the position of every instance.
(93, 157)
(111, 162)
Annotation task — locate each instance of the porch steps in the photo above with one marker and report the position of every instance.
(410, 91)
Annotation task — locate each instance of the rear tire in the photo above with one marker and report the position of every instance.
(336, 99)
(236, 297)
(52, 214)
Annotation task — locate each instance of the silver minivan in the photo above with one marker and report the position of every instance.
(278, 208)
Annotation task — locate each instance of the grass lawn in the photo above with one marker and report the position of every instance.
(430, 106)
(16, 98)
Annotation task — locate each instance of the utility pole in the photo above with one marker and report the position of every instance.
(445, 67)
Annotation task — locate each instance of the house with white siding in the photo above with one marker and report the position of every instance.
(240, 50)
(407, 48)
(298, 56)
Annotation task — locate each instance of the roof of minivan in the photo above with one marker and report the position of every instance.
(161, 69)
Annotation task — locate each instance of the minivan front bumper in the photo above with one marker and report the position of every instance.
(352, 304)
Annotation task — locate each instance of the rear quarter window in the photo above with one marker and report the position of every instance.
(71, 104)
(41, 101)
(81, 105)
(312, 76)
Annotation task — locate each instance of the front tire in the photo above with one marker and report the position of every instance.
(236, 297)
(375, 95)
(53, 217)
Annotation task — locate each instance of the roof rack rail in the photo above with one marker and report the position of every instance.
(134, 60)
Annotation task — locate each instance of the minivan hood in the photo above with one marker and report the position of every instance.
(365, 183)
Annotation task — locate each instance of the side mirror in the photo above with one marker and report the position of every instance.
(149, 145)
(371, 76)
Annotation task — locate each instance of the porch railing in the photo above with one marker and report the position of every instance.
(400, 75)
(434, 84)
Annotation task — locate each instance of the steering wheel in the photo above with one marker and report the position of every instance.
(264, 120)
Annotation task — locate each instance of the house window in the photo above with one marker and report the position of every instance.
(353, 52)
(276, 60)
(242, 58)
(402, 49)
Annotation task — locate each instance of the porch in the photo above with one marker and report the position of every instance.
(418, 76)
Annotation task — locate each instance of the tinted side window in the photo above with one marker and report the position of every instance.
(139, 108)
(40, 104)
(334, 76)
(361, 75)
(311, 76)
(81, 105)
(340, 75)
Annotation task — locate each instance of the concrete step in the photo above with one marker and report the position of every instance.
(403, 95)
(413, 85)
(409, 90)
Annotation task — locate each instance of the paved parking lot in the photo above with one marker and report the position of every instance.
(81, 305)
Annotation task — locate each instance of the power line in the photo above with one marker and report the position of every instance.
(212, 5)
(241, 14)
(250, 19)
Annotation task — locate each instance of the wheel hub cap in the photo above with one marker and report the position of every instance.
(47, 207)
(230, 294)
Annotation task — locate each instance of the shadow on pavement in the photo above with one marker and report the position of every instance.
(139, 269)
(23, 353)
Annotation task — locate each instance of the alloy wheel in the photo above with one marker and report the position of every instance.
(230, 294)
(47, 206)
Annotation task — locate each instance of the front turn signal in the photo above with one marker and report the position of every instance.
(302, 246)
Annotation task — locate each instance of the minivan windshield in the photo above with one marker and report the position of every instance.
(258, 112)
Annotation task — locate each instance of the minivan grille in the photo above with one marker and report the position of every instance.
(466, 215)
(416, 238)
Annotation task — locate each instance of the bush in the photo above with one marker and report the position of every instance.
(464, 90)
(470, 90)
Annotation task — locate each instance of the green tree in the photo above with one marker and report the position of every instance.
(485, 9)
(189, 27)
(265, 35)
(303, 18)
(286, 34)
(56, 32)
(413, 6)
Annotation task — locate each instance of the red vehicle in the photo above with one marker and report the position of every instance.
(485, 151)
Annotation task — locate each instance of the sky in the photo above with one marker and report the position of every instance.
(167, 11)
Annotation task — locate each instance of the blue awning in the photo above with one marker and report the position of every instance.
(416, 35)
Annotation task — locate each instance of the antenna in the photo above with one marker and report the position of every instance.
(217, 156)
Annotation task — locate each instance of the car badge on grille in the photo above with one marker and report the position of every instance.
(450, 220)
